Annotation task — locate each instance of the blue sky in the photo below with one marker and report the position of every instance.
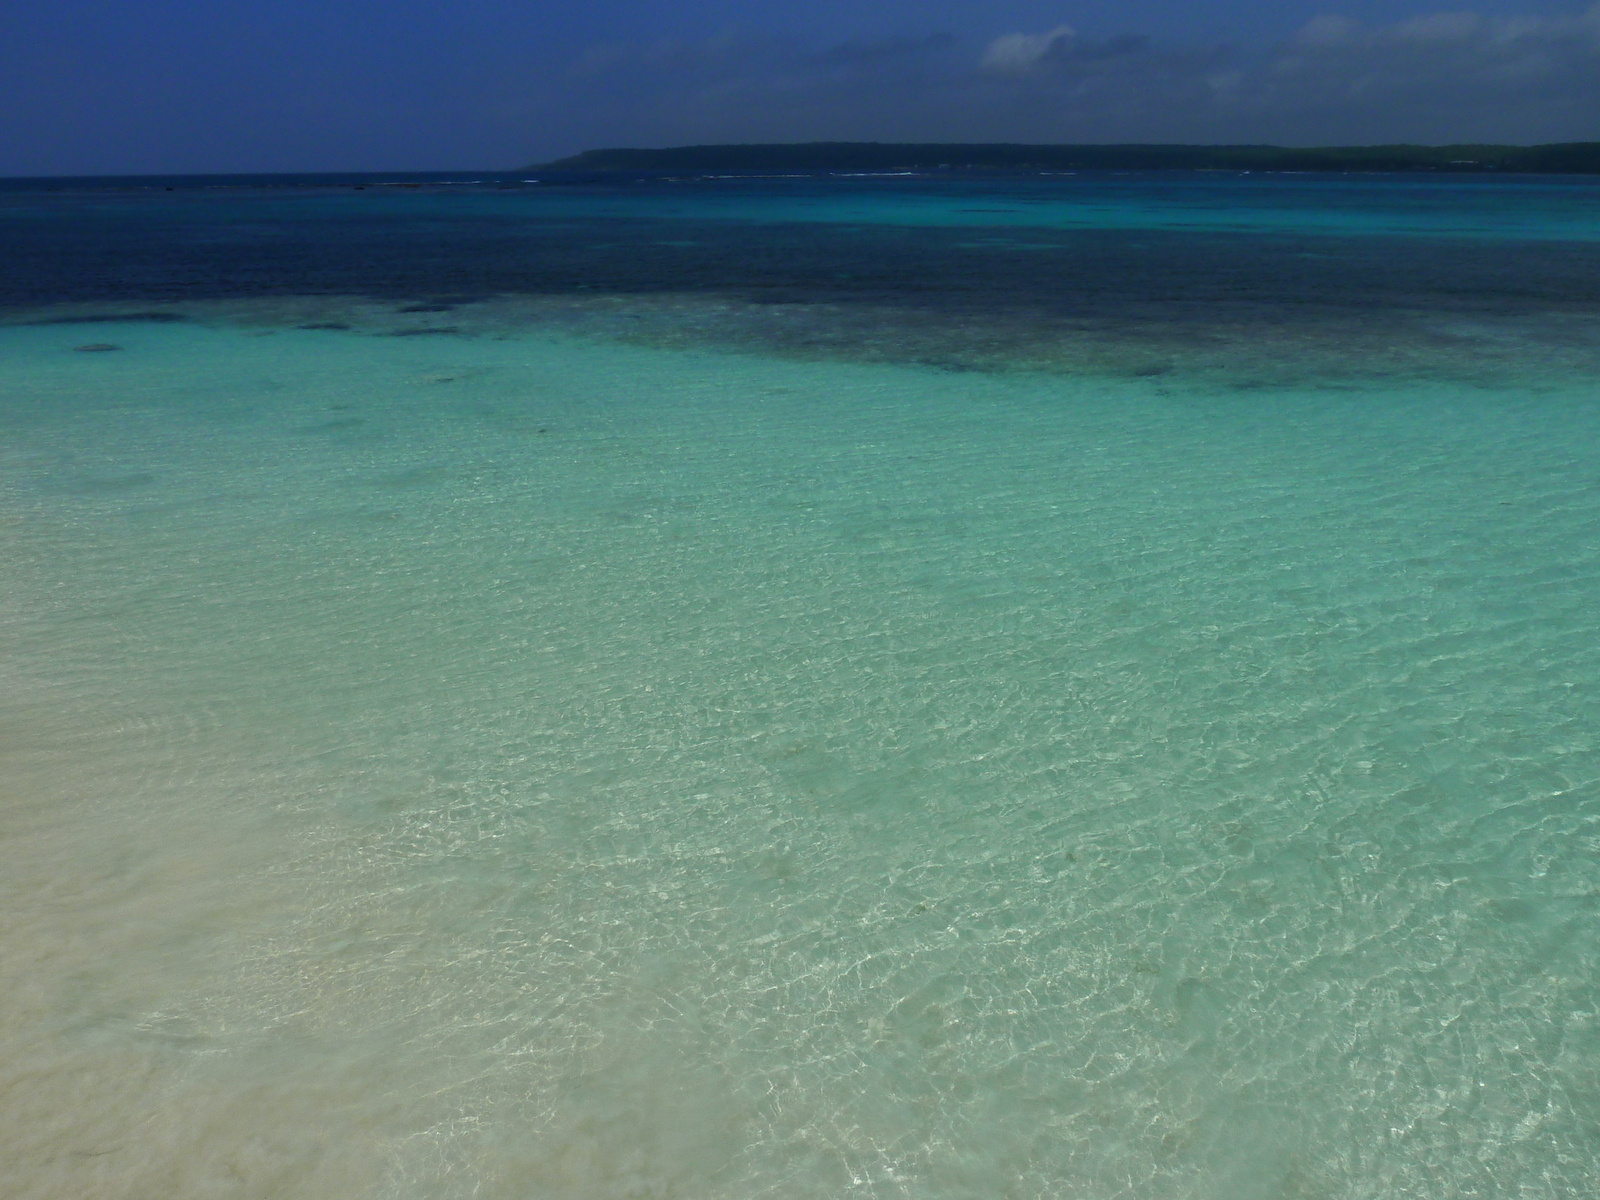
(108, 86)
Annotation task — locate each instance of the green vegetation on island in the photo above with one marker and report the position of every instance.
(1557, 158)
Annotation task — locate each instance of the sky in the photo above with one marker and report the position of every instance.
(179, 86)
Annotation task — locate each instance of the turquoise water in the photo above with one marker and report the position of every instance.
(547, 761)
(1475, 208)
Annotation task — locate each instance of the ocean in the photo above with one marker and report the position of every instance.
(934, 687)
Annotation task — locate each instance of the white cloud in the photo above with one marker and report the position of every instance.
(1327, 31)
(1019, 53)
(1439, 27)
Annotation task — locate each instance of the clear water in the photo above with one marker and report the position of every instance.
(906, 736)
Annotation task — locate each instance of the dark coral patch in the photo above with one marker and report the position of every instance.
(152, 318)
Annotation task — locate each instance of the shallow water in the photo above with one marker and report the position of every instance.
(624, 748)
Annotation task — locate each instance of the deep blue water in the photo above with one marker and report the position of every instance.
(1118, 244)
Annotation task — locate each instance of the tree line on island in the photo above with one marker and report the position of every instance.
(1557, 158)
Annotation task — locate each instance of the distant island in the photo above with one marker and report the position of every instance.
(1557, 158)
